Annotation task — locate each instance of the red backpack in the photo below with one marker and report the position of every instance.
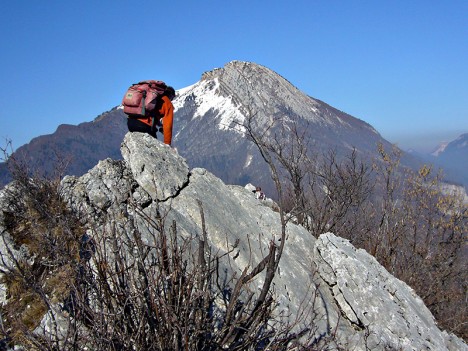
(140, 99)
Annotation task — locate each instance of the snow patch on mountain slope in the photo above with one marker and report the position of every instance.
(441, 148)
(206, 97)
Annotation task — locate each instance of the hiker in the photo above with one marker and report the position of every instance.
(164, 114)
(259, 194)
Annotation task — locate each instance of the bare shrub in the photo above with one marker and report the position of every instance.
(6, 151)
(421, 238)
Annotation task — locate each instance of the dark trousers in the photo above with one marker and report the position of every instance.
(134, 125)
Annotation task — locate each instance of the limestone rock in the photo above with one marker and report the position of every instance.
(371, 299)
(155, 166)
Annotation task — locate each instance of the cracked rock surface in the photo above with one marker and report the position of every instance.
(155, 166)
(371, 299)
(350, 294)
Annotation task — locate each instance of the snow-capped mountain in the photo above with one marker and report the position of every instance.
(209, 130)
(210, 115)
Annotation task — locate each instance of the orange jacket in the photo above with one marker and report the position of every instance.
(166, 113)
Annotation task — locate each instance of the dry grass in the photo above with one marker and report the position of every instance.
(37, 219)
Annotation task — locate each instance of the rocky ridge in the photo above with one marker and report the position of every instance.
(356, 298)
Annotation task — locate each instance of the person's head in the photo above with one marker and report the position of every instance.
(170, 92)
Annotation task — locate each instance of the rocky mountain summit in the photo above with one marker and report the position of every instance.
(212, 113)
(349, 294)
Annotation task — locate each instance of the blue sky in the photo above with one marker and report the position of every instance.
(401, 66)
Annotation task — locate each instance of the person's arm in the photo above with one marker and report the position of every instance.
(167, 111)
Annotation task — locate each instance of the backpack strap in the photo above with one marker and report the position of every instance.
(143, 107)
(156, 118)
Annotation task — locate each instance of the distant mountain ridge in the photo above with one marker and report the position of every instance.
(81, 146)
(208, 127)
(454, 159)
(439, 149)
